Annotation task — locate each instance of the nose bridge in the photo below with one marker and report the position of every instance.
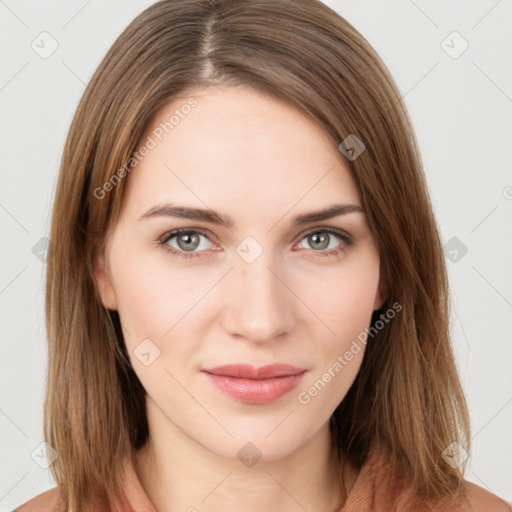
(258, 306)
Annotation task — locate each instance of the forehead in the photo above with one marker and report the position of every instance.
(237, 144)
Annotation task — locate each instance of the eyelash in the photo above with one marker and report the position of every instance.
(346, 239)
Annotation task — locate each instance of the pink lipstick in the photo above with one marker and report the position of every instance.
(252, 385)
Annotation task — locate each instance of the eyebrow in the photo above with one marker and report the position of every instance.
(213, 217)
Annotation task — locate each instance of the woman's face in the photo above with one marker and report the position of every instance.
(266, 289)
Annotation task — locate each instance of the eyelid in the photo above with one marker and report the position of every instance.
(207, 234)
(174, 232)
(346, 238)
(321, 229)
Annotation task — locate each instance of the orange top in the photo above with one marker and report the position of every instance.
(374, 490)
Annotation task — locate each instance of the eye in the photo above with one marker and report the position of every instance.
(320, 238)
(186, 239)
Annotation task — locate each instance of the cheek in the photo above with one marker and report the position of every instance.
(345, 302)
(158, 301)
(153, 309)
(142, 304)
(146, 296)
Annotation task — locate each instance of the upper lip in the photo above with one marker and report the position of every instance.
(247, 371)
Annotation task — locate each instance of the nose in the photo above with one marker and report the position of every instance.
(256, 303)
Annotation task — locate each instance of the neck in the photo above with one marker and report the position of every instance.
(177, 473)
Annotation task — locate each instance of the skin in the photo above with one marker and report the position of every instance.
(262, 162)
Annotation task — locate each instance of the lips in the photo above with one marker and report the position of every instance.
(251, 385)
(247, 371)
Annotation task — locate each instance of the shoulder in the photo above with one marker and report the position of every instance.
(471, 498)
(479, 498)
(48, 501)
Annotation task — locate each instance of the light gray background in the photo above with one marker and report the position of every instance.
(461, 108)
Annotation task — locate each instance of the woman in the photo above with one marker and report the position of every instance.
(246, 291)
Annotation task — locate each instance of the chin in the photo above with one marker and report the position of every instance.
(253, 443)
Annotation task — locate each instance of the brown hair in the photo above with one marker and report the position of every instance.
(407, 395)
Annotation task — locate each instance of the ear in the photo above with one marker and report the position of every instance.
(382, 290)
(103, 280)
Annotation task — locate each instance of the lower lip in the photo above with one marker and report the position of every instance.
(252, 391)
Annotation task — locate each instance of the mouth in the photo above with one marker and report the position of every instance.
(252, 385)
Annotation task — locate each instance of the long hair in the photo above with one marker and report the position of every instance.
(407, 395)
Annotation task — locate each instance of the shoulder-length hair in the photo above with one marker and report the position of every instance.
(407, 395)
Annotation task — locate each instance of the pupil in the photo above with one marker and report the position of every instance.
(317, 240)
(188, 238)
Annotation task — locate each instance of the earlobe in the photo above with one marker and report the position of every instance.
(103, 281)
(378, 302)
